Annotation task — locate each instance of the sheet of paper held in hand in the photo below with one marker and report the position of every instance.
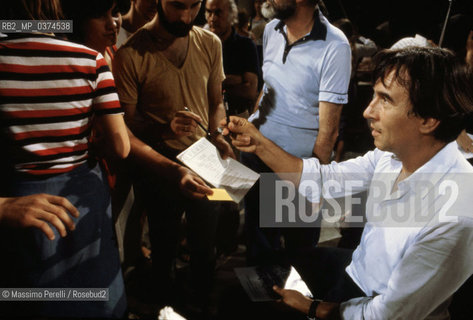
(204, 159)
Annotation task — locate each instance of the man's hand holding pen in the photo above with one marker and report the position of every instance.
(185, 123)
(244, 135)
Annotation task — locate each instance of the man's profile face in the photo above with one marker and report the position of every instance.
(177, 16)
(147, 8)
(217, 13)
(283, 9)
(392, 124)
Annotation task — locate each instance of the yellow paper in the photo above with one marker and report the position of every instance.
(220, 195)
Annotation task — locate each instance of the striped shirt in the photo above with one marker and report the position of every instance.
(50, 89)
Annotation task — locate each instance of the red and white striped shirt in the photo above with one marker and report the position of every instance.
(49, 91)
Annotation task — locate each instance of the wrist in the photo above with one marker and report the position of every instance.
(3, 202)
(261, 145)
(312, 312)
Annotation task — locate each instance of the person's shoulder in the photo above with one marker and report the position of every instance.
(336, 35)
(270, 27)
(138, 43)
(57, 44)
(272, 23)
(203, 34)
(142, 37)
(244, 41)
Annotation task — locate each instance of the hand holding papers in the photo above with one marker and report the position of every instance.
(258, 281)
(204, 159)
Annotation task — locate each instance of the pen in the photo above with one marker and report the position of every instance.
(200, 124)
(227, 108)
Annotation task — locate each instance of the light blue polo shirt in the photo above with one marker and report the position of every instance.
(296, 77)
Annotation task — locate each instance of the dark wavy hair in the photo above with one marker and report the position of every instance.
(80, 11)
(30, 10)
(439, 84)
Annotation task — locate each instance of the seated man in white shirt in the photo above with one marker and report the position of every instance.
(415, 251)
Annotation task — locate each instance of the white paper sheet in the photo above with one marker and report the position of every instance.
(204, 159)
(258, 281)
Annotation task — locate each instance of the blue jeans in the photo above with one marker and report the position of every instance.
(86, 258)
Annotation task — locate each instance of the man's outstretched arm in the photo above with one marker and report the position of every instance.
(245, 137)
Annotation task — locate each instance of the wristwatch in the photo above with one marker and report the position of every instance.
(313, 309)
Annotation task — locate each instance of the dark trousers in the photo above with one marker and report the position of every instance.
(164, 205)
(264, 243)
(323, 270)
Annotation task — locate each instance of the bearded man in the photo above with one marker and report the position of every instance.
(169, 77)
(306, 72)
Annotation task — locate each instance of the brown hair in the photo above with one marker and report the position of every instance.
(440, 86)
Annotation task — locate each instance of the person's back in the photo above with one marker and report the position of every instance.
(60, 84)
(50, 92)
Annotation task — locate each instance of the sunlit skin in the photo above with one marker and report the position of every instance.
(395, 128)
(102, 32)
(391, 121)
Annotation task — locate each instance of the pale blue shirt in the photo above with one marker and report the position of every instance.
(408, 267)
(315, 68)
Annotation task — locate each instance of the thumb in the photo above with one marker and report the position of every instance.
(278, 290)
(236, 124)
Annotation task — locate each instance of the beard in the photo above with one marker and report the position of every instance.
(267, 10)
(177, 29)
(281, 12)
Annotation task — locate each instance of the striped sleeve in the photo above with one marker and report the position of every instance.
(49, 91)
(106, 97)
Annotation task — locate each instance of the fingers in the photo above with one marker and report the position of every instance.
(58, 217)
(194, 187)
(278, 290)
(41, 211)
(224, 148)
(200, 188)
(238, 125)
(53, 219)
(241, 140)
(57, 211)
(185, 123)
(44, 227)
(63, 202)
(188, 115)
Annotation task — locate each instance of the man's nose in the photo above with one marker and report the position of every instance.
(370, 111)
(186, 17)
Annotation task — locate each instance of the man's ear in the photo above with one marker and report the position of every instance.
(428, 125)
